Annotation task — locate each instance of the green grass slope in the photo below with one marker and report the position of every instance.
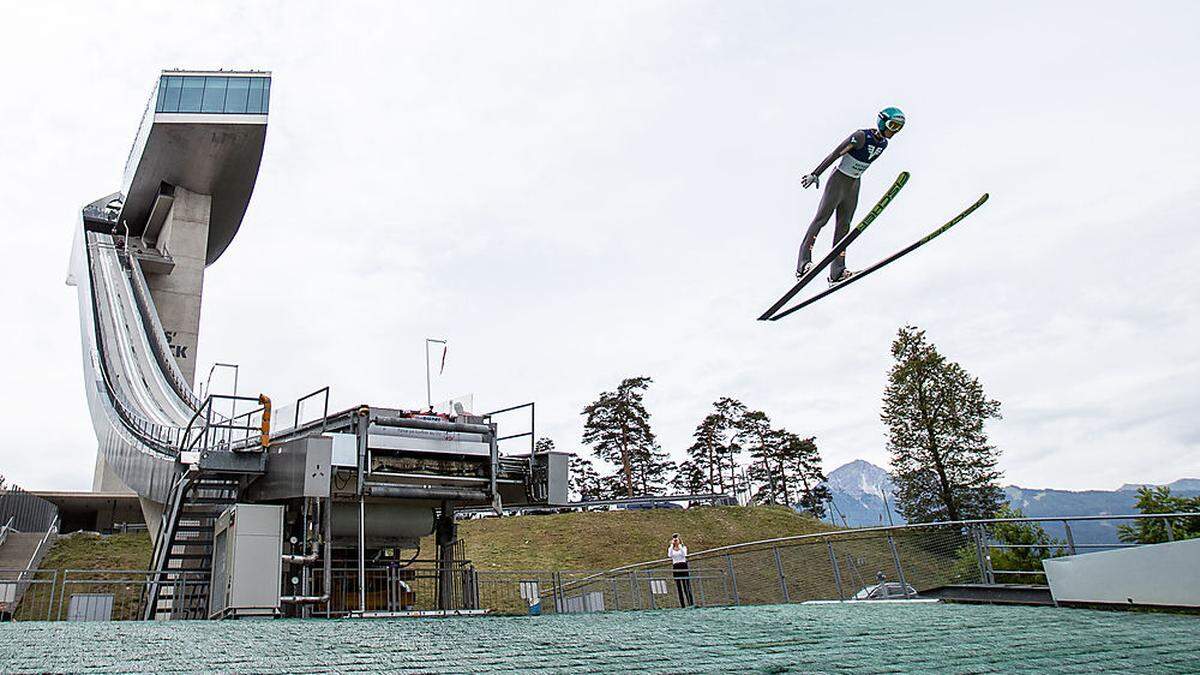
(602, 540)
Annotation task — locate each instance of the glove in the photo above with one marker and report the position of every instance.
(811, 180)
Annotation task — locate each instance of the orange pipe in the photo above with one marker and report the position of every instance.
(265, 439)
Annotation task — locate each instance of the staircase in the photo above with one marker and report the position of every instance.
(183, 549)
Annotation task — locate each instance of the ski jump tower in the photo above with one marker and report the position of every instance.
(365, 482)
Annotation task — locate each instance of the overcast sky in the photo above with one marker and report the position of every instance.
(573, 193)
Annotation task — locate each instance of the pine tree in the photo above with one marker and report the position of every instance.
(585, 480)
(730, 412)
(942, 463)
(705, 452)
(715, 449)
(689, 478)
(802, 460)
(756, 436)
(618, 429)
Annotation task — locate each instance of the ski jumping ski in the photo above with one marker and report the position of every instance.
(840, 246)
(886, 261)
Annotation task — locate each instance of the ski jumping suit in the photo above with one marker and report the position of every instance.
(841, 192)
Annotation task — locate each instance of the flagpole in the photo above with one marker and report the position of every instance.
(428, 386)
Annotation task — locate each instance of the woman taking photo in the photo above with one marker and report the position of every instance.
(677, 552)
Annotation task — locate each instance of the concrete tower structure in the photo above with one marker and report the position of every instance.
(186, 186)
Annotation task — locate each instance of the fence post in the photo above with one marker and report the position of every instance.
(559, 597)
(53, 588)
(779, 570)
(650, 587)
(837, 573)
(1070, 537)
(62, 595)
(977, 535)
(1170, 530)
(733, 579)
(899, 568)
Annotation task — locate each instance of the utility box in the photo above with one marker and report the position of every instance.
(550, 479)
(247, 562)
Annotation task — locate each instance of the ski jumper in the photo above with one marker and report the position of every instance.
(841, 192)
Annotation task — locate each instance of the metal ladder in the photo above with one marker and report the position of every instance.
(182, 560)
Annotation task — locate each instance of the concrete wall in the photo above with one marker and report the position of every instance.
(1156, 574)
(104, 479)
(177, 295)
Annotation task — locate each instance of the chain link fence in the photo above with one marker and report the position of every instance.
(849, 565)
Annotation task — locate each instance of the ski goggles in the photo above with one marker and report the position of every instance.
(893, 123)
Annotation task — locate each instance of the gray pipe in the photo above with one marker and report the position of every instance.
(391, 421)
(418, 492)
(304, 599)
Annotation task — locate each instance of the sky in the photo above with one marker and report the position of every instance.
(572, 193)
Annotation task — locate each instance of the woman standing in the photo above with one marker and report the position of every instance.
(677, 552)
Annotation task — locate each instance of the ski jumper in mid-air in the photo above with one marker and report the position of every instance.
(841, 191)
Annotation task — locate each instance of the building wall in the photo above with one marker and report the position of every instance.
(177, 296)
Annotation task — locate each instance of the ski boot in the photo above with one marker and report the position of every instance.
(846, 274)
(803, 271)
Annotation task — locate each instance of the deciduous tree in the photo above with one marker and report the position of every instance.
(943, 465)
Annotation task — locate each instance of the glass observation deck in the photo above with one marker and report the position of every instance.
(218, 94)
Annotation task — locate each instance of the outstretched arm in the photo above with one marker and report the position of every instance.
(856, 140)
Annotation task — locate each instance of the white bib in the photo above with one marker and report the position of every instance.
(852, 167)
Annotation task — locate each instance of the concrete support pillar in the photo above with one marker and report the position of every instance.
(177, 295)
(104, 479)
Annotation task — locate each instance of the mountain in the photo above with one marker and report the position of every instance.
(858, 495)
(1179, 486)
(858, 489)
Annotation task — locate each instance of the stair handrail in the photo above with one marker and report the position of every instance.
(38, 552)
(8, 527)
(162, 543)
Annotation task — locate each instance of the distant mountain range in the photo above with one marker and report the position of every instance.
(859, 490)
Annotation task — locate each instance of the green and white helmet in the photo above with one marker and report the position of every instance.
(891, 119)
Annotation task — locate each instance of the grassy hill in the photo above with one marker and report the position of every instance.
(567, 541)
(606, 539)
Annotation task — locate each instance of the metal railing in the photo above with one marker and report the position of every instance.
(235, 433)
(8, 527)
(157, 437)
(848, 565)
(853, 564)
(28, 596)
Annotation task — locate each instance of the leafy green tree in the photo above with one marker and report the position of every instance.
(1032, 542)
(942, 462)
(617, 426)
(1159, 499)
(1031, 546)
